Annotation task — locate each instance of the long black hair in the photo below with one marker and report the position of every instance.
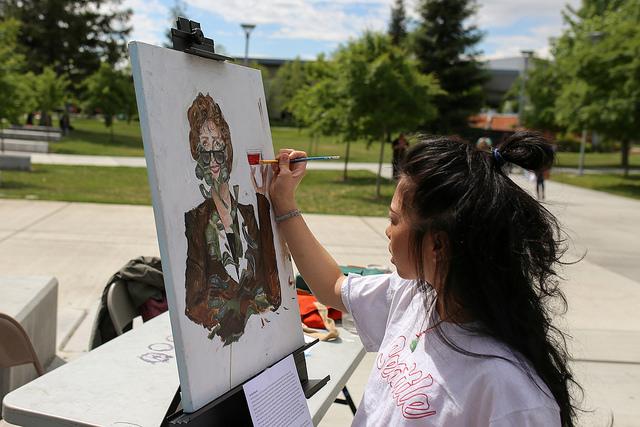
(502, 247)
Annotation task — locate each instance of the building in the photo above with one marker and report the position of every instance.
(503, 73)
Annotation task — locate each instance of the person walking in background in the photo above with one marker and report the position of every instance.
(64, 123)
(541, 175)
(399, 145)
(484, 143)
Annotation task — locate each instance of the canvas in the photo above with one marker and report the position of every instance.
(227, 272)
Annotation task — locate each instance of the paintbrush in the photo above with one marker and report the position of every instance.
(302, 159)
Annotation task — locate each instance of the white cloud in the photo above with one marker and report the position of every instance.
(535, 38)
(494, 15)
(338, 20)
(149, 21)
(501, 13)
(299, 19)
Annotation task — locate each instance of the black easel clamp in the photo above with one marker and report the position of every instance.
(231, 408)
(188, 37)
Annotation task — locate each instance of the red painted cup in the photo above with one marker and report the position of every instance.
(253, 157)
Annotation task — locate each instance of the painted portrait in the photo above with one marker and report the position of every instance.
(228, 275)
(231, 271)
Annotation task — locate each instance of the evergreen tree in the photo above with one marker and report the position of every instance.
(398, 24)
(73, 36)
(445, 46)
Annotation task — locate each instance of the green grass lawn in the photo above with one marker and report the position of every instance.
(320, 192)
(300, 139)
(595, 160)
(325, 192)
(615, 184)
(78, 184)
(92, 137)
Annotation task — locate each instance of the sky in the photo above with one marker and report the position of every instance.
(305, 28)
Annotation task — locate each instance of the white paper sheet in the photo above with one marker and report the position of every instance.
(275, 397)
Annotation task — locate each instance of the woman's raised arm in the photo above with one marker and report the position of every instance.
(318, 268)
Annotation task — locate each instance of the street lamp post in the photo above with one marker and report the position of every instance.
(526, 54)
(247, 32)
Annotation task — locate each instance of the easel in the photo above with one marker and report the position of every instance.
(231, 408)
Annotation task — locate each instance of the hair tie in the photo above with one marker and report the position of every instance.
(500, 161)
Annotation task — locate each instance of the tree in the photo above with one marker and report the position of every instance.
(129, 103)
(50, 93)
(15, 88)
(73, 36)
(589, 9)
(542, 89)
(289, 79)
(109, 91)
(370, 89)
(398, 24)
(444, 44)
(598, 61)
(320, 104)
(267, 83)
(385, 90)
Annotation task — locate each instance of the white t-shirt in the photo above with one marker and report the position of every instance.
(435, 385)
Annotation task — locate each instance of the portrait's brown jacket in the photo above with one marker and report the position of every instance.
(208, 282)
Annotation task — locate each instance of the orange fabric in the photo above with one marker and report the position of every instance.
(309, 311)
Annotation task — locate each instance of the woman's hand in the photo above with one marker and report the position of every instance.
(286, 177)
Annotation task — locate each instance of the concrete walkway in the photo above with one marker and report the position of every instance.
(139, 162)
(83, 244)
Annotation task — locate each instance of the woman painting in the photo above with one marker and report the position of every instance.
(231, 271)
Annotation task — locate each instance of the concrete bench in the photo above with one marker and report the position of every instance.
(33, 302)
(15, 162)
(30, 135)
(24, 145)
(51, 129)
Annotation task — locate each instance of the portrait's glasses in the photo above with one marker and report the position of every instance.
(218, 155)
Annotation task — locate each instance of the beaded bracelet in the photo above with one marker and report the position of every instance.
(288, 215)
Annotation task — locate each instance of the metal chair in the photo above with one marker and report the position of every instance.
(120, 307)
(15, 345)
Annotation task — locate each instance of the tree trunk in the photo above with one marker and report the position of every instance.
(67, 110)
(310, 150)
(1, 135)
(43, 118)
(385, 140)
(346, 160)
(626, 145)
(111, 126)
